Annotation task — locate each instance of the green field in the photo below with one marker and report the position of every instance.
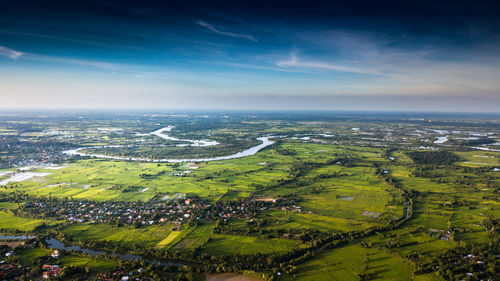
(327, 201)
(479, 158)
(347, 262)
(196, 238)
(117, 180)
(95, 265)
(145, 236)
(10, 222)
(245, 245)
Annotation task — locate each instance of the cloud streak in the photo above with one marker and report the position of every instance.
(294, 61)
(78, 62)
(13, 54)
(225, 33)
(10, 53)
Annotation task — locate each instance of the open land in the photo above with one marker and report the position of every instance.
(327, 198)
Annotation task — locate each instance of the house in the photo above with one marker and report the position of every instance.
(50, 271)
(55, 254)
(11, 253)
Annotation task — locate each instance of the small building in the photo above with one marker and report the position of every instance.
(50, 271)
(55, 254)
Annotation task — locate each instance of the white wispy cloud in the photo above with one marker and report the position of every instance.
(10, 53)
(295, 61)
(13, 54)
(261, 67)
(78, 62)
(394, 68)
(109, 44)
(225, 33)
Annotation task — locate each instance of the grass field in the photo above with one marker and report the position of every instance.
(28, 256)
(434, 210)
(103, 180)
(196, 238)
(11, 223)
(144, 236)
(347, 262)
(119, 180)
(479, 158)
(95, 265)
(294, 220)
(355, 200)
(220, 244)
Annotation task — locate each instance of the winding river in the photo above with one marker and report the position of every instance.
(56, 244)
(248, 152)
(441, 140)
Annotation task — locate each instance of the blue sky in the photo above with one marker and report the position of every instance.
(324, 55)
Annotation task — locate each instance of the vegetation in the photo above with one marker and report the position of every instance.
(330, 200)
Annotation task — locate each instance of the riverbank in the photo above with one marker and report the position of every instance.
(248, 152)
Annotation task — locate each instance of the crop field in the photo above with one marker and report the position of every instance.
(339, 200)
(28, 257)
(479, 159)
(355, 199)
(196, 238)
(350, 261)
(10, 222)
(95, 265)
(285, 219)
(131, 181)
(349, 197)
(435, 210)
(145, 236)
(246, 245)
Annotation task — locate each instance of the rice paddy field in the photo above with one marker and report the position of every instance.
(245, 245)
(9, 222)
(147, 236)
(324, 202)
(95, 265)
(350, 261)
(104, 180)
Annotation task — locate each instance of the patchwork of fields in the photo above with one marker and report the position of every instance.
(310, 209)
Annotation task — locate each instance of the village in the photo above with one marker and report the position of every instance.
(177, 211)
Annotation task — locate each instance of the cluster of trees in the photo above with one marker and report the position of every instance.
(472, 142)
(152, 176)
(434, 158)
(278, 147)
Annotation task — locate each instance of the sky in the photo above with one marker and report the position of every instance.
(243, 55)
